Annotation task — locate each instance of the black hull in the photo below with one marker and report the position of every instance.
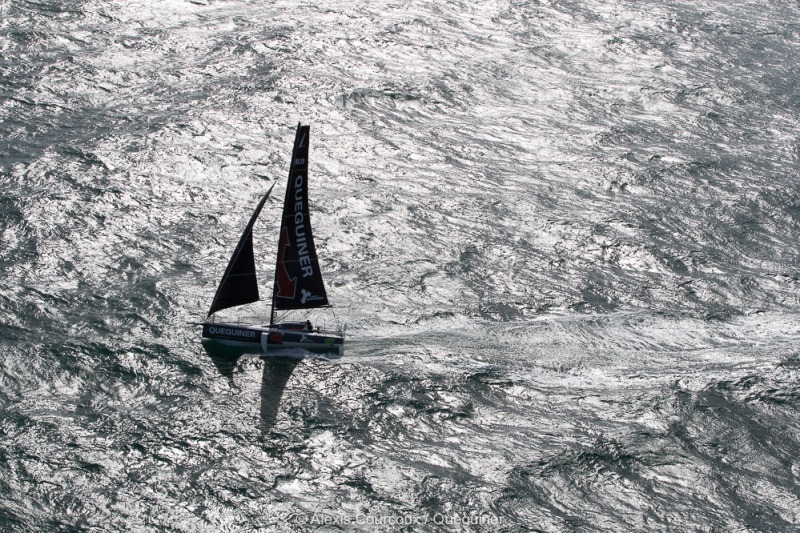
(266, 339)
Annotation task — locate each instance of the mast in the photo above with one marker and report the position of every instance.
(298, 281)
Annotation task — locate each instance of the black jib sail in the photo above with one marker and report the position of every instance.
(298, 281)
(239, 285)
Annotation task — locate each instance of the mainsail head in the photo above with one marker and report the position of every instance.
(298, 280)
(239, 285)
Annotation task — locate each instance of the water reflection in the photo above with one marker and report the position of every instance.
(277, 371)
(223, 357)
(275, 376)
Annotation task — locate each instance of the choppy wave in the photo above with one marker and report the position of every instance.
(563, 235)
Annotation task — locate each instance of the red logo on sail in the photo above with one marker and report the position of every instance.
(286, 284)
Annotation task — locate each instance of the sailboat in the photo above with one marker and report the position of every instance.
(298, 283)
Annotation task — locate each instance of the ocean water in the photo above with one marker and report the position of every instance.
(563, 236)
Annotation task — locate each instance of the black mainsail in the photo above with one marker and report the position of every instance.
(239, 285)
(298, 280)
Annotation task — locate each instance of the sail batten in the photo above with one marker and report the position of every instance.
(239, 285)
(298, 280)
